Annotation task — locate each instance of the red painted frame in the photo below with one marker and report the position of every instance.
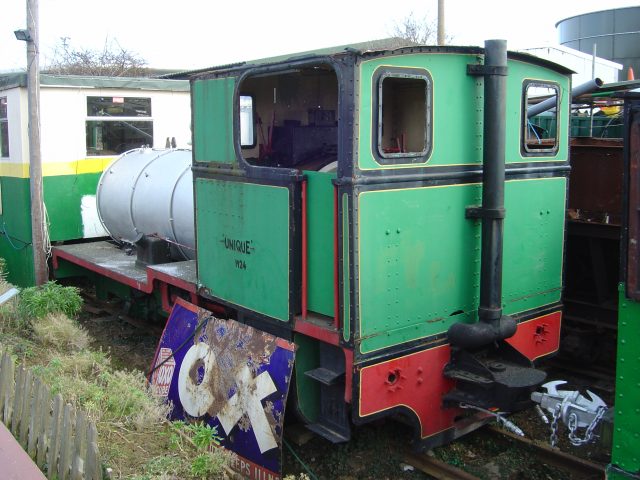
(163, 280)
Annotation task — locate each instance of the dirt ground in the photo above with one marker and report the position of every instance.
(376, 450)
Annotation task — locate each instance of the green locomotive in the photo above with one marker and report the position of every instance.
(339, 202)
(397, 214)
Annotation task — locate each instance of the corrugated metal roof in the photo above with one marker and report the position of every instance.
(19, 79)
(372, 45)
(386, 46)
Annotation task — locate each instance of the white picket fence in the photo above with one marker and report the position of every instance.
(59, 439)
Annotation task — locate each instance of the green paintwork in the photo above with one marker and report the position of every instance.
(419, 261)
(454, 141)
(346, 285)
(307, 389)
(244, 212)
(212, 111)
(320, 247)
(458, 109)
(62, 195)
(625, 453)
(533, 243)
(15, 231)
(416, 257)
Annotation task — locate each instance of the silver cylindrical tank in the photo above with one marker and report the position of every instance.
(149, 192)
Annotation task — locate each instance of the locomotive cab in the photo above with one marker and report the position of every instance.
(354, 180)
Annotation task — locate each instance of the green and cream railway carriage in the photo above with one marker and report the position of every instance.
(86, 122)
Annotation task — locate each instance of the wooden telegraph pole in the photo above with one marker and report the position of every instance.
(41, 271)
(441, 39)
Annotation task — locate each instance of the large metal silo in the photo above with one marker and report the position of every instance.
(615, 32)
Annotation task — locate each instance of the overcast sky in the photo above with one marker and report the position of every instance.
(191, 34)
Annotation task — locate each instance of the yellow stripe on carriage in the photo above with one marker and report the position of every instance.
(50, 169)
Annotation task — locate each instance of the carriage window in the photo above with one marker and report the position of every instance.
(118, 107)
(540, 124)
(117, 124)
(247, 135)
(404, 115)
(4, 128)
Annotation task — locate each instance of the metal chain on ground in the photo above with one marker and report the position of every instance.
(554, 426)
(575, 440)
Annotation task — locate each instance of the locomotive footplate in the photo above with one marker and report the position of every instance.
(494, 377)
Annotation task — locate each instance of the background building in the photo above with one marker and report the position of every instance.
(615, 32)
(86, 122)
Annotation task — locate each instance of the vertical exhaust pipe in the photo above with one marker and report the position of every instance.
(493, 325)
(493, 178)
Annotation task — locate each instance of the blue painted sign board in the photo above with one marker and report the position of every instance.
(231, 376)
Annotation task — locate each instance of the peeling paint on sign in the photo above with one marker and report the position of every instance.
(232, 376)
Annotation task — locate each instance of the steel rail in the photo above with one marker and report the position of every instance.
(585, 469)
(436, 468)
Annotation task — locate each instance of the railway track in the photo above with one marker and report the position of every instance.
(131, 342)
(106, 315)
(571, 466)
(111, 311)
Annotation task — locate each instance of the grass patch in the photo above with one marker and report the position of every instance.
(135, 440)
(56, 330)
(37, 302)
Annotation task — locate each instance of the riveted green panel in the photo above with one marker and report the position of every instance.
(625, 453)
(458, 105)
(243, 244)
(320, 226)
(455, 98)
(418, 263)
(533, 243)
(212, 106)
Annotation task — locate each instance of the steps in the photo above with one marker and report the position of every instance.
(333, 419)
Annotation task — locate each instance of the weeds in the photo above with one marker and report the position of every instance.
(59, 331)
(210, 461)
(207, 465)
(203, 435)
(3, 270)
(164, 467)
(36, 302)
(39, 326)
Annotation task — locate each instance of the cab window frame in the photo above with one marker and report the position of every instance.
(526, 149)
(401, 158)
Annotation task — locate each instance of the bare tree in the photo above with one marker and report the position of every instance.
(112, 61)
(415, 31)
(412, 30)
